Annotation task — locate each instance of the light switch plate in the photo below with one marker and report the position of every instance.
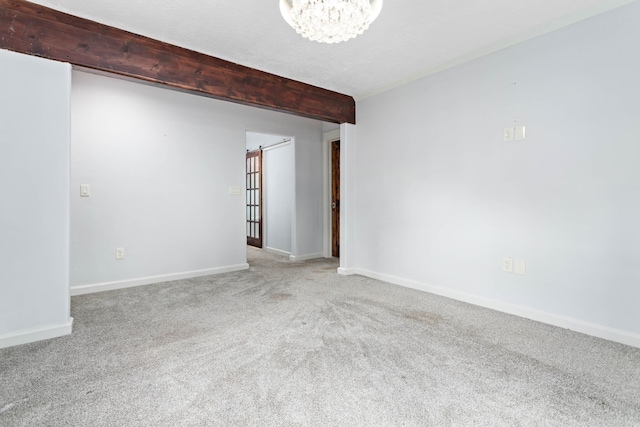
(119, 253)
(235, 191)
(85, 190)
(508, 134)
(519, 134)
(520, 267)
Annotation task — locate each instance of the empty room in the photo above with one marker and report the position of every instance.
(319, 213)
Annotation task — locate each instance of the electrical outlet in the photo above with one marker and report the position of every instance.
(507, 264)
(119, 253)
(520, 267)
(508, 134)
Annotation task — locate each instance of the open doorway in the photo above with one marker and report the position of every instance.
(335, 198)
(331, 153)
(270, 193)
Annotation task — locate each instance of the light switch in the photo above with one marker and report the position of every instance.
(519, 134)
(235, 191)
(508, 134)
(85, 190)
(520, 267)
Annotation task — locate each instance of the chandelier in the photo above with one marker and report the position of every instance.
(330, 21)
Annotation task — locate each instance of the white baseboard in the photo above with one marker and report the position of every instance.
(278, 251)
(130, 283)
(587, 328)
(306, 257)
(348, 271)
(27, 336)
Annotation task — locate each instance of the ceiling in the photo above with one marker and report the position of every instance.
(410, 38)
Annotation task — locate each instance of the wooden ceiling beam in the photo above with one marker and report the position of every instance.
(37, 30)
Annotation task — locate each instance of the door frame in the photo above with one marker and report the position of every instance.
(327, 139)
(265, 198)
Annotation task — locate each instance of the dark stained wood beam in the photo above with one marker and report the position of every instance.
(36, 30)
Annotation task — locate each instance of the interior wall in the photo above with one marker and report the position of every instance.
(328, 127)
(279, 181)
(160, 164)
(34, 182)
(441, 199)
(278, 186)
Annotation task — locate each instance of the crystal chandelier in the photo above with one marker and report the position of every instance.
(330, 21)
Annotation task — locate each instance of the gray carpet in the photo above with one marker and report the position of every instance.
(295, 344)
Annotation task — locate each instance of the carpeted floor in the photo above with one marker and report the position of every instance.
(296, 344)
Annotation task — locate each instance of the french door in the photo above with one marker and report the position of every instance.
(254, 198)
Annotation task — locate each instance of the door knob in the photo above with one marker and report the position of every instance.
(333, 205)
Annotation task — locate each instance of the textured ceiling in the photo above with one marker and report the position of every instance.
(409, 38)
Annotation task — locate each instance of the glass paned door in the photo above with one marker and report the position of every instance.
(254, 198)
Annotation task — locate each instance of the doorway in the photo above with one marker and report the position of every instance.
(335, 198)
(331, 153)
(277, 191)
(254, 198)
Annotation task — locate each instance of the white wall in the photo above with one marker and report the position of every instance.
(328, 127)
(308, 196)
(278, 187)
(160, 163)
(34, 182)
(279, 180)
(348, 197)
(441, 199)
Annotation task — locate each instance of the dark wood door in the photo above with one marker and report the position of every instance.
(254, 198)
(335, 198)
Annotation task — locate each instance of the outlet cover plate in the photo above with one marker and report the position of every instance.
(508, 134)
(507, 264)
